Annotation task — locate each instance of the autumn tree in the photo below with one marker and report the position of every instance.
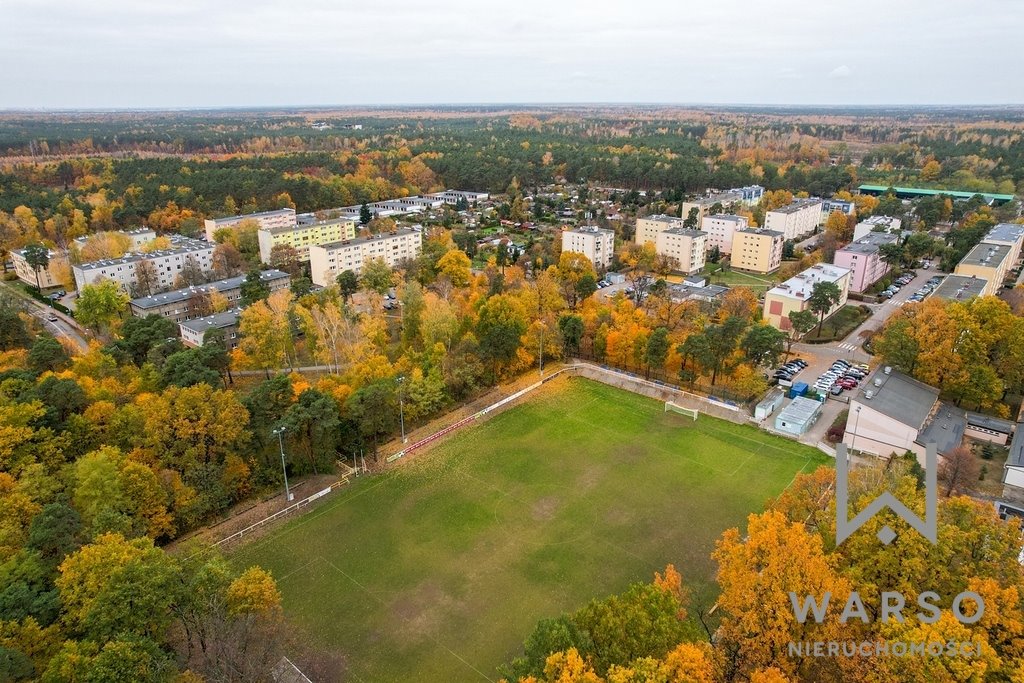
(376, 276)
(500, 327)
(959, 470)
(455, 265)
(348, 284)
(37, 256)
(100, 304)
(824, 297)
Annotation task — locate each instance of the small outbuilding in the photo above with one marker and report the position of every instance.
(798, 416)
(769, 404)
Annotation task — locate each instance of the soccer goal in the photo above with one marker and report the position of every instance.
(690, 412)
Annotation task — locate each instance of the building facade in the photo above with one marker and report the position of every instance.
(800, 217)
(863, 259)
(193, 332)
(50, 276)
(989, 262)
(277, 218)
(327, 261)
(830, 206)
(597, 244)
(649, 227)
(185, 304)
(720, 229)
(876, 224)
(756, 250)
(303, 235)
(687, 247)
(1010, 235)
(793, 294)
(164, 264)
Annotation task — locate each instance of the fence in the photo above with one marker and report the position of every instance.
(281, 513)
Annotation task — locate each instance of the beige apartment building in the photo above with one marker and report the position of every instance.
(48, 277)
(687, 247)
(327, 261)
(597, 244)
(181, 304)
(1010, 235)
(720, 229)
(800, 217)
(264, 219)
(792, 295)
(756, 250)
(302, 236)
(649, 227)
(166, 265)
(989, 262)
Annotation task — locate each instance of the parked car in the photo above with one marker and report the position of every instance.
(52, 317)
(836, 390)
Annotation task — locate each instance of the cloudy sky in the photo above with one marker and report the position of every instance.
(192, 53)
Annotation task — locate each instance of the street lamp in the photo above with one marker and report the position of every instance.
(280, 442)
(401, 406)
(856, 426)
(543, 326)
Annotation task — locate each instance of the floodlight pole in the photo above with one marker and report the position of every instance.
(856, 426)
(401, 406)
(280, 442)
(543, 326)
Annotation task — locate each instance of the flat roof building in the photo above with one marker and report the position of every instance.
(797, 417)
(989, 262)
(864, 259)
(327, 261)
(193, 332)
(686, 247)
(186, 303)
(649, 227)
(50, 276)
(876, 224)
(799, 217)
(263, 219)
(1007, 234)
(163, 265)
(756, 250)
(721, 228)
(303, 235)
(597, 244)
(960, 288)
(793, 294)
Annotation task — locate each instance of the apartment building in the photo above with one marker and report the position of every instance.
(1010, 235)
(648, 228)
(830, 206)
(876, 224)
(989, 262)
(863, 259)
(792, 295)
(193, 332)
(720, 229)
(167, 264)
(327, 261)
(453, 196)
(264, 219)
(756, 250)
(747, 196)
(800, 217)
(687, 247)
(139, 237)
(597, 244)
(179, 305)
(50, 276)
(303, 235)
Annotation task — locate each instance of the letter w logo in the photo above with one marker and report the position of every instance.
(926, 527)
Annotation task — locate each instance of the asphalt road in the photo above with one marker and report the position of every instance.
(62, 327)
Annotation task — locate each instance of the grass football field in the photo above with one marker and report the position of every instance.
(437, 570)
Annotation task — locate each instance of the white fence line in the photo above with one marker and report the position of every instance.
(281, 513)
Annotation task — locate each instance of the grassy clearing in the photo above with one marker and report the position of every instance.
(437, 570)
(733, 278)
(838, 325)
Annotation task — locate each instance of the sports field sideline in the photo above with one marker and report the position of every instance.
(437, 570)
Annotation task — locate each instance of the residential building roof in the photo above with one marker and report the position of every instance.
(305, 224)
(945, 428)
(371, 238)
(988, 422)
(211, 322)
(180, 245)
(762, 231)
(685, 232)
(870, 243)
(924, 192)
(590, 230)
(986, 254)
(800, 409)
(258, 214)
(1016, 457)
(899, 396)
(1005, 232)
(802, 284)
(728, 217)
(797, 205)
(960, 287)
(186, 293)
(662, 218)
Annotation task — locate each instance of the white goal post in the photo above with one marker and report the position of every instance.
(690, 412)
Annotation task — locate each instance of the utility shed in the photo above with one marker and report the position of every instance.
(798, 416)
(769, 404)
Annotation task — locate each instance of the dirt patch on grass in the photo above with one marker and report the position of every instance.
(545, 508)
(419, 610)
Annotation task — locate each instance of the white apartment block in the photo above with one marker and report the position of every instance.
(304, 235)
(597, 244)
(876, 224)
(687, 247)
(327, 261)
(800, 217)
(167, 264)
(453, 196)
(647, 228)
(720, 230)
(264, 219)
(139, 237)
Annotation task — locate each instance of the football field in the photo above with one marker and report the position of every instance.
(437, 570)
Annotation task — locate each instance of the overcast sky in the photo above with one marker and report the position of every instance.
(191, 53)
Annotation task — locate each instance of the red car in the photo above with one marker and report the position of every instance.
(847, 383)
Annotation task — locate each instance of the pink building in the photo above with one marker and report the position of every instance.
(862, 258)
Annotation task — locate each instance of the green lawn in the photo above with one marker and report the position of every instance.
(839, 324)
(733, 278)
(436, 571)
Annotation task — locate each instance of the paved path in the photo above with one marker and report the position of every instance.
(64, 326)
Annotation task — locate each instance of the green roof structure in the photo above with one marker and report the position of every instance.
(911, 192)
